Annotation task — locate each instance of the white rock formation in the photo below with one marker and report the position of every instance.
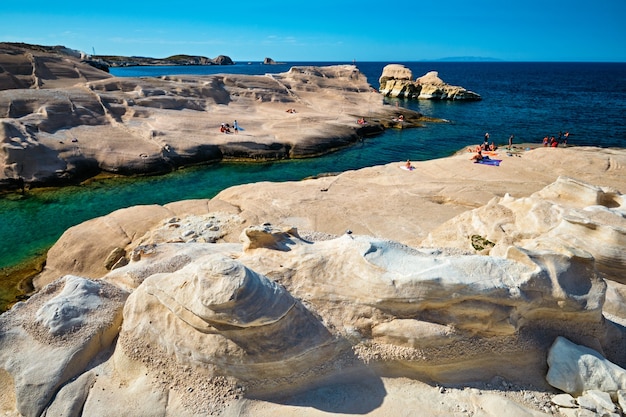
(276, 321)
(567, 216)
(398, 72)
(597, 401)
(212, 323)
(396, 81)
(70, 309)
(48, 341)
(576, 369)
(77, 121)
(586, 374)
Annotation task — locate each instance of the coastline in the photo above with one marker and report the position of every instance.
(514, 176)
(350, 283)
(19, 276)
(149, 126)
(362, 220)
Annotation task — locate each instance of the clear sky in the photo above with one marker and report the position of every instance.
(327, 30)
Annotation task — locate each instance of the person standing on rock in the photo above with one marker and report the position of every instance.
(236, 126)
(510, 142)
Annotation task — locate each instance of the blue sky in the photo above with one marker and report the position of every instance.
(325, 30)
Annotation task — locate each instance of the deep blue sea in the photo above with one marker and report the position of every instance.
(529, 100)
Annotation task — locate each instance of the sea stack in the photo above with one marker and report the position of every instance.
(396, 81)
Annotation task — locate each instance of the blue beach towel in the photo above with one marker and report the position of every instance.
(495, 162)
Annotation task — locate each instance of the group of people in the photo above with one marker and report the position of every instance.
(225, 127)
(486, 146)
(553, 142)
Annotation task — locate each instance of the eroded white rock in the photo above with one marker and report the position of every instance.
(44, 344)
(597, 401)
(277, 314)
(566, 216)
(396, 81)
(575, 369)
(72, 307)
(564, 400)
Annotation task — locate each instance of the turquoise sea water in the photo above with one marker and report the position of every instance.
(529, 100)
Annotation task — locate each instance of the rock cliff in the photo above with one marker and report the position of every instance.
(396, 81)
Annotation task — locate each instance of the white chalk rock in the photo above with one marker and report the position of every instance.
(575, 369)
(597, 401)
(218, 314)
(72, 307)
(564, 400)
(568, 215)
(50, 339)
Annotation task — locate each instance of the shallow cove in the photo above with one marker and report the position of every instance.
(530, 100)
(32, 222)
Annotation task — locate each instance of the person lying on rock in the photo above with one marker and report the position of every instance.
(478, 157)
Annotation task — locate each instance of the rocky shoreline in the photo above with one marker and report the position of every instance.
(66, 121)
(377, 292)
(270, 297)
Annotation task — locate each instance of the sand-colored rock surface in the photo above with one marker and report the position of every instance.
(415, 202)
(405, 206)
(24, 66)
(73, 122)
(382, 302)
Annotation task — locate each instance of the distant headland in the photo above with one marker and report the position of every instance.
(181, 59)
(468, 59)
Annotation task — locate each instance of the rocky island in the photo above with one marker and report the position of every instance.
(376, 292)
(396, 81)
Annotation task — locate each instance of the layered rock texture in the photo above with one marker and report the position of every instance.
(217, 311)
(62, 120)
(397, 81)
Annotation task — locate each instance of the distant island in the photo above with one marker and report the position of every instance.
(104, 62)
(468, 59)
(133, 61)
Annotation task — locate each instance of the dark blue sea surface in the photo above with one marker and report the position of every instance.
(529, 100)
